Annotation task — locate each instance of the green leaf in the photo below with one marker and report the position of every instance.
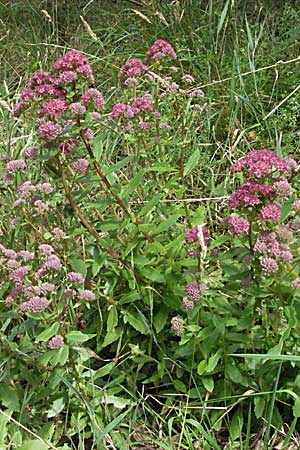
(76, 337)
(111, 324)
(179, 386)
(202, 367)
(8, 397)
(48, 333)
(166, 224)
(137, 321)
(78, 265)
(236, 425)
(115, 167)
(222, 17)
(34, 444)
(259, 406)
(151, 204)
(160, 319)
(4, 420)
(208, 383)
(191, 162)
(103, 371)
(132, 184)
(213, 361)
(56, 407)
(118, 402)
(153, 275)
(60, 356)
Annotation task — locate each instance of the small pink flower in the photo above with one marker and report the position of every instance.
(159, 50)
(270, 212)
(269, 265)
(49, 130)
(54, 108)
(237, 224)
(177, 325)
(55, 342)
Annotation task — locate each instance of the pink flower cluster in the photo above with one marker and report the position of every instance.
(263, 162)
(141, 105)
(159, 50)
(192, 235)
(237, 224)
(76, 62)
(272, 246)
(49, 130)
(249, 194)
(55, 342)
(270, 212)
(131, 69)
(54, 108)
(93, 96)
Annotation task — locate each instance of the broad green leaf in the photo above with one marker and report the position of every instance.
(166, 224)
(4, 420)
(160, 319)
(149, 205)
(34, 444)
(8, 397)
(202, 367)
(103, 371)
(48, 333)
(115, 167)
(213, 361)
(111, 336)
(208, 383)
(60, 356)
(132, 184)
(179, 386)
(56, 407)
(111, 324)
(153, 275)
(137, 321)
(191, 162)
(118, 402)
(259, 406)
(76, 337)
(78, 265)
(236, 425)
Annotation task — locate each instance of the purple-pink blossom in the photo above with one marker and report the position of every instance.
(94, 96)
(270, 212)
(80, 165)
(177, 325)
(15, 165)
(49, 130)
(262, 162)
(54, 107)
(249, 194)
(159, 50)
(75, 277)
(237, 224)
(55, 342)
(34, 305)
(192, 290)
(86, 294)
(77, 108)
(74, 61)
(132, 68)
(269, 265)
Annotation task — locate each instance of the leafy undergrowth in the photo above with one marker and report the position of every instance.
(149, 250)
